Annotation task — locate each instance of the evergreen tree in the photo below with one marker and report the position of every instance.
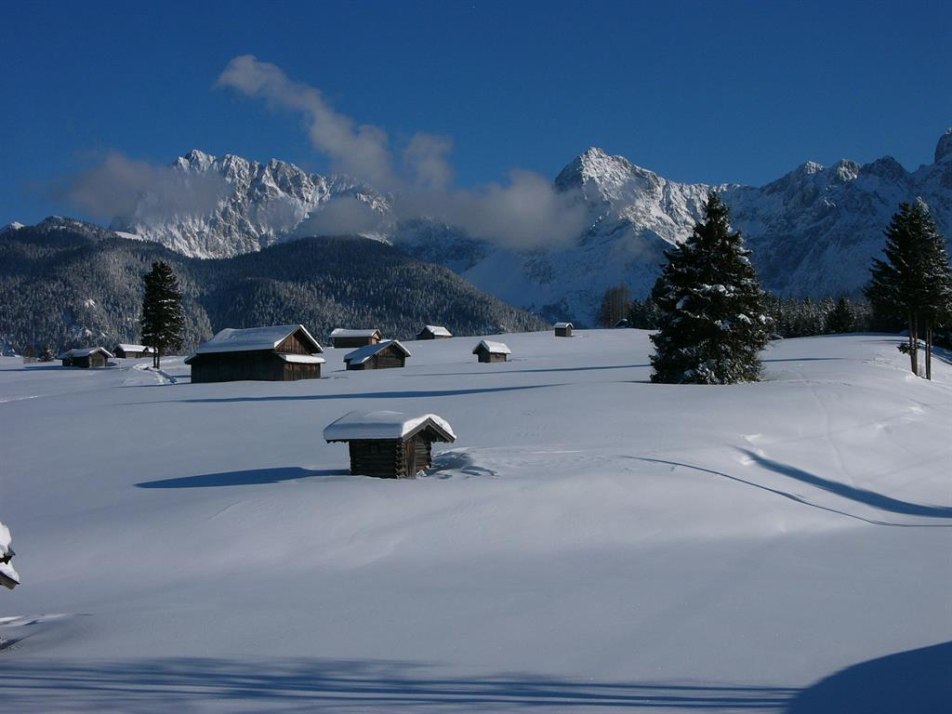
(914, 282)
(162, 318)
(840, 319)
(615, 305)
(712, 312)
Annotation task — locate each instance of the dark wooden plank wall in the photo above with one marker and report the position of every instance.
(262, 365)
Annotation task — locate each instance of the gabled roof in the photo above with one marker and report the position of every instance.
(84, 352)
(563, 325)
(254, 338)
(362, 354)
(493, 348)
(386, 425)
(343, 332)
(133, 348)
(438, 330)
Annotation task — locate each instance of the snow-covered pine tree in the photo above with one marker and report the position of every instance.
(162, 318)
(840, 319)
(915, 280)
(713, 322)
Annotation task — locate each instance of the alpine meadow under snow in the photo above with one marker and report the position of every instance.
(590, 542)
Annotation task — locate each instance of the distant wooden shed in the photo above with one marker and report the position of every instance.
(384, 355)
(86, 357)
(489, 351)
(278, 353)
(434, 332)
(389, 444)
(129, 351)
(563, 329)
(342, 337)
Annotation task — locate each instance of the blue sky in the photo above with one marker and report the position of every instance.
(696, 91)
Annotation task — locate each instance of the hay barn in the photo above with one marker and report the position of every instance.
(86, 357)
(489, 351)
(434, 332)
(277, 354)
(342, 337)
(389, 444)
(385, 355)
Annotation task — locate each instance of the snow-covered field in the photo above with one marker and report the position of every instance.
(591, 542)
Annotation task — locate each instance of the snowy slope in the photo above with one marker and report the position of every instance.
(591, 541)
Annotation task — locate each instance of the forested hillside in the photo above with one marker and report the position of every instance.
(66, 283)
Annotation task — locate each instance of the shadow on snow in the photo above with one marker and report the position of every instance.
(252, 477)
(341, 686)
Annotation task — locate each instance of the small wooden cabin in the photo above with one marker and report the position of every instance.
(278, 354)
(489, 351)
(434, 332)
(355, 338)
(86, 357)
(128, 351)
(563, 329)
(387, 354)
(389, 444)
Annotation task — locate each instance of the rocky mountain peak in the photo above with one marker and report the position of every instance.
(943, 150)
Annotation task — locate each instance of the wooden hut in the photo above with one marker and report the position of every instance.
(86, 357)
(384, 355)
(434, 332)
(389, 444)
(563, 329)
(129, 351)
(280, 353)
(489, 351)
(355, 338)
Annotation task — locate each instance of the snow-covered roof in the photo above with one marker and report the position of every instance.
(437, 330)
(496, 348)
(563, 325)
(385, 425)
(343, 332)
(84, 352)
(253, 338)
(301, 359)
(362, 354)
(133, 348)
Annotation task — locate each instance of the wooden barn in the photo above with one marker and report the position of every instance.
(86, 357)
(434, 332)
(355, 338)
(563, 329)
(277, 354)
(128, 351)
(384, 355)
(489, 351)
(389, 444)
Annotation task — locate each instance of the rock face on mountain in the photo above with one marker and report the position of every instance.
(814, 231)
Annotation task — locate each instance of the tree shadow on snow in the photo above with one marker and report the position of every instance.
(252, 477)
(859, 495)
(316, 685)
(914, 681)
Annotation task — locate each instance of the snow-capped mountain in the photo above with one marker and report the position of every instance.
(236, 206)
(813, 232)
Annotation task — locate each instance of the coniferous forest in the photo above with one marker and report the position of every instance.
(67, 284)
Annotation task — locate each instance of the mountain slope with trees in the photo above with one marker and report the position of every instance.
(67, 283)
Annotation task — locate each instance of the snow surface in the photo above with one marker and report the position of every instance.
(383, 424)
(252, 338)
(493, 347)
(591, 542)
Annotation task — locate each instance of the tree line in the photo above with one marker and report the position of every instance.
(711, 316)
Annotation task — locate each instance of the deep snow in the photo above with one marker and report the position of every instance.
(590, 542)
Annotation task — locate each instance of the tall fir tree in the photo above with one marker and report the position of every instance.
(162, 318)
(914, 282)
(713, 321)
